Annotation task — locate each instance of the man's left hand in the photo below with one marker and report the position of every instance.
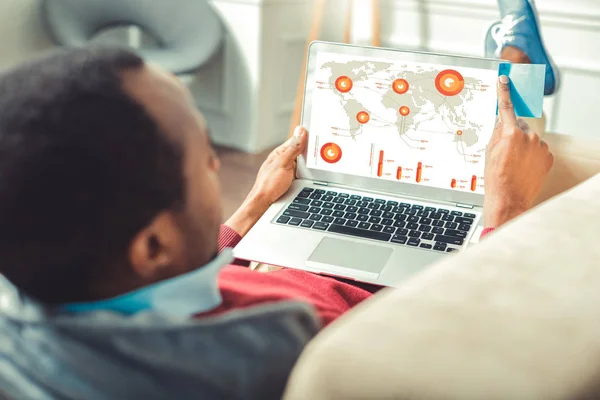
(273, 180)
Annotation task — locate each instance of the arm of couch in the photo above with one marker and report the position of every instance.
(516, 317)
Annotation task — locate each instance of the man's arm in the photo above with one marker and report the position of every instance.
(512, 149)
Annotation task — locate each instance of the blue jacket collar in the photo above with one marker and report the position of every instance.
(181, 296)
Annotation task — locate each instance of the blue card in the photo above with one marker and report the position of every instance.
(526, 87)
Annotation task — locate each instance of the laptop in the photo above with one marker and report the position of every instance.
(392, 179)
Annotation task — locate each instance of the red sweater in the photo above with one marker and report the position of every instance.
(241, 287)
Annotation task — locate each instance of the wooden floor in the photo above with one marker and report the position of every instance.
(238, 172)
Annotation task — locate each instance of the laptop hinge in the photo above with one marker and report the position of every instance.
(469, 206)
(320, 183)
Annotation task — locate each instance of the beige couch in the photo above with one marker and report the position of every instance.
(516, 317)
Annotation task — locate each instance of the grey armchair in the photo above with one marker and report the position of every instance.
(188, 32)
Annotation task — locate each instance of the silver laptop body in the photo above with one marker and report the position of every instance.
(371, 113)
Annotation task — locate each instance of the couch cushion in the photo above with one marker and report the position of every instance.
(516, 317)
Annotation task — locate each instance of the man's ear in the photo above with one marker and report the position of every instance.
(158, 250)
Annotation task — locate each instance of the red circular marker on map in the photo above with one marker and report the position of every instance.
(404, 111)
(331, 153)
(400, 86)
(363, 117)
(449, 82)
(343, 84)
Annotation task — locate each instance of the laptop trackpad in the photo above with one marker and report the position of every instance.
(347, 258)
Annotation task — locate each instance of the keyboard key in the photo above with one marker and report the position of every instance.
(467, 215)
(339, 200)
(451, 250)
(355, 197)
(388, 214)
(320, 226)
(338, 214)
(415, 234)
(307, 224)
(314, 210)
(327, 204)
(374, 220)
(423, 214)
(295, 221)
(405, 205)
(443, 211)
(437, 230)
(367, 199)
(439, 248)
(339, 221)
(399, 224)
(308, 189)
(350, 215)
(344, 195)
(352, 223)
(315, 196)
(451, 232)
(464, 227)
(399, 239)
(448, 218)
(413, 218)
(339, 207)
(435, 215)
(402, 231)
(320, 191)
(425, 228)
(413, 241)
(417, 207)
(376, 213)
(392, 203)
(456, 213)
(389, 229)
(316, 203)
(352, 209)
(362, 204)
(350, 202)
(297, 214)
(327, 198)
(374, 206)
(362, 217)
(297, 207)
(380, 201)
(330, 193)
(411, 211)
(387, 221)
(327, 219)
(300, 200)
(400, 217)
(441, 244)
(437, 223)
(425, 246)
(451, 225)
(427, 236)
(303, 194)
(425, 221)
(315, 217)
(376, 227)
(283, 220)
(360, 232)
(326, 211)
(386, 208)
(412, 225)
(449, 239)
(363, 210)
(461, 220)
(364, 225)
(430, 208)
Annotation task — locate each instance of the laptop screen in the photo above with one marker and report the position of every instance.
(412, 122)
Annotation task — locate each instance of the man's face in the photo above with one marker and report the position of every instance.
(171, 105)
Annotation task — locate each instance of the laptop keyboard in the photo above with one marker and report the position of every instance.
(377, 219)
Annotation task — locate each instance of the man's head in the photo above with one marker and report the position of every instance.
(107, 177)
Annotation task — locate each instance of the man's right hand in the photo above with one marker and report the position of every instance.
(517, 163)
